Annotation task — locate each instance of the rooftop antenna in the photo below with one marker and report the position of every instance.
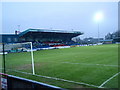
(72, 29)
(18, 30)
(18, 27)
(51, 28)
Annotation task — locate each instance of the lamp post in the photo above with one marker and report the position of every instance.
(98, 17)
(98, 33)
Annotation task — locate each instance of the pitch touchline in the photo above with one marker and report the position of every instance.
(101, 86)
(59, 79)
(108, 80)
(92, 64)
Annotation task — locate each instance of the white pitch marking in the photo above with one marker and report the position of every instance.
(108, 80)
(92, 64)
(59, 79)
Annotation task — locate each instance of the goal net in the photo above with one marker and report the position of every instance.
(19, 57)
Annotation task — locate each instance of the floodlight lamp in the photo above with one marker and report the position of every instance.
(98, 16)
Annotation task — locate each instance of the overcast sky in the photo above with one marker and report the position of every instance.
(60, 15)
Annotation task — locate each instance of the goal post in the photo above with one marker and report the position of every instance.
(33, 66)
(16, 49)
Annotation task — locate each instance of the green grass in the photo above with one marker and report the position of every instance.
(0, 63)
(79, 64)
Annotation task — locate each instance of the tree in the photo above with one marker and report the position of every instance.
(115, 36)
(108, 36)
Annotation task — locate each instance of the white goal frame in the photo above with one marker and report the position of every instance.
(33, 66)
(32, 56)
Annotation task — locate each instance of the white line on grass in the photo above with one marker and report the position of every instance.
(92, 64)
(108, 80)
(80, 83)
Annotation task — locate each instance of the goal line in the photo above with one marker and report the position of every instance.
(91, 64)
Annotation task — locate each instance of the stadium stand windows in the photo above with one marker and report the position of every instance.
(15, 39)
(9, 39)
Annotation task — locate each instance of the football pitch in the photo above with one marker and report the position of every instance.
(76, 67)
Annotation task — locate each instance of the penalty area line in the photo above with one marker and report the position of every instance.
(108, 80)
(91, 64)
(80, 83)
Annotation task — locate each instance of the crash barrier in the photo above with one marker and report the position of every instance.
(10, 82)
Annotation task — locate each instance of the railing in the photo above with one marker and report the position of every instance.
(10, 82)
